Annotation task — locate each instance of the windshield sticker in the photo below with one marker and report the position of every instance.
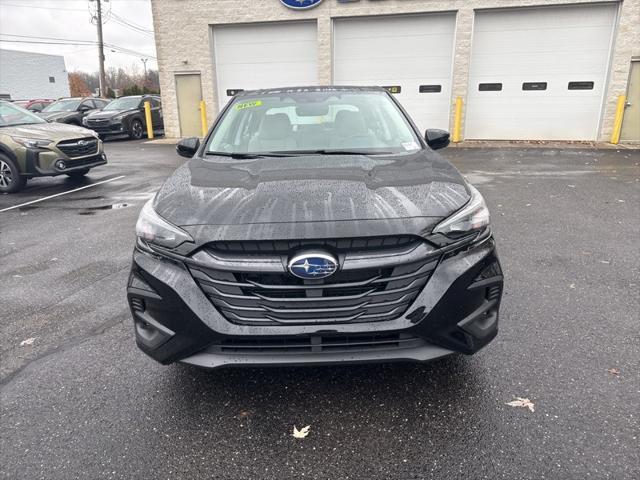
(411, 146)
(243, 105)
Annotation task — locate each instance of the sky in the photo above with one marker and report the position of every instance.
(70, 21)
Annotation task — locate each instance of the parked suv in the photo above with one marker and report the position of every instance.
(31, 147)
(314, 226)
(125, 115)
(72, 110)
(34, 105)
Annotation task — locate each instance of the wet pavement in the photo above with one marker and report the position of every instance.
(79, 400)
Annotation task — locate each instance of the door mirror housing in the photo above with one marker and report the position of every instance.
(437, 138)
(84, 108)
(187, 147)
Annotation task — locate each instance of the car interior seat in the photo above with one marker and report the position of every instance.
(275, 134)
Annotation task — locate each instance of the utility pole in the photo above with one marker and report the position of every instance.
(100, 47)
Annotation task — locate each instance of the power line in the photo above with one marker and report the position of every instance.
(45, 38)
(41, 7)
(137, 30)
(130, 23)
(43, 43)
(67, 41)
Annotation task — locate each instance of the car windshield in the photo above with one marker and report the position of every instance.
(124, 103)
(325, 121)
(62, 106)
(11, 115)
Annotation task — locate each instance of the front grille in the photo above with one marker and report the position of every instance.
(79, 147)
(370, 294)
(317, 344)
(97, 121)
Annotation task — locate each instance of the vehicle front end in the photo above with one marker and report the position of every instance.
(300, 257)
(105, 123)
(59, 150)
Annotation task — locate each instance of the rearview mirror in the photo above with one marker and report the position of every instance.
(436, 138)
(187, 147)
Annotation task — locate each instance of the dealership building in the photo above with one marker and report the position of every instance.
(511, 69)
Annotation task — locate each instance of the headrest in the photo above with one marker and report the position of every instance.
(275, 127)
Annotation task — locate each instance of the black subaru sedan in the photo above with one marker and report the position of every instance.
(314, 226)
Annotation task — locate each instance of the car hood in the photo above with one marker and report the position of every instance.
(52, 116)
(48, 131)
(108, 114)
(311, 196)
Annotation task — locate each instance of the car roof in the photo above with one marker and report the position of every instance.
(327, 88)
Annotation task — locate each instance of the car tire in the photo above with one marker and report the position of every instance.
(78, 174)
(136, 132)
(10, 179)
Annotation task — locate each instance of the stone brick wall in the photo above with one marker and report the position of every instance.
(183, 38)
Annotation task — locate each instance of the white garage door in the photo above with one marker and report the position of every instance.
(264, 56)
(413, 52)
(539, 73)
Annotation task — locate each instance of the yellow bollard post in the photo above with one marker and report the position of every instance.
(147, 117)
(457, 119)
(203, 117)
(617, 122)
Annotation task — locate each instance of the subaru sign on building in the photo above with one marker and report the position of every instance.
(511, 70)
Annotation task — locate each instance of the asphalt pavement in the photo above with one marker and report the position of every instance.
(78, 400)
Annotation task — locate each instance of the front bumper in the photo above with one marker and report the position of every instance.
(457, 311)
(41, 162)
(106, 128)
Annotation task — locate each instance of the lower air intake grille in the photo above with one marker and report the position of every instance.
(317, 344)
(137, 304)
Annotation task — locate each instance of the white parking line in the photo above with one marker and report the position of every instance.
(63, 193)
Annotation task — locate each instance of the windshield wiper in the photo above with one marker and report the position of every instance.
(240, 155)
(331, 151)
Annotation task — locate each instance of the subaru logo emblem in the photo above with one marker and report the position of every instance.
(82, 143)
(300, 4)
(313, 265)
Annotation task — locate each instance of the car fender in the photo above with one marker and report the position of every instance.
(4, 150)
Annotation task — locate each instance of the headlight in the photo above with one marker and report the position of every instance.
(84, 121)
(473, 217)
(31, 142)
(117, 118)
(152, 228)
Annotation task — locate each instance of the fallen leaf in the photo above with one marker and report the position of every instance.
(573, 285)
(28, 341)
(303, 432)
(614, 371)
(522, 402)
(528, 205)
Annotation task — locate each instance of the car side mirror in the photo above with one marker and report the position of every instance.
(437, 138)
(84, 108)
(187, 147)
